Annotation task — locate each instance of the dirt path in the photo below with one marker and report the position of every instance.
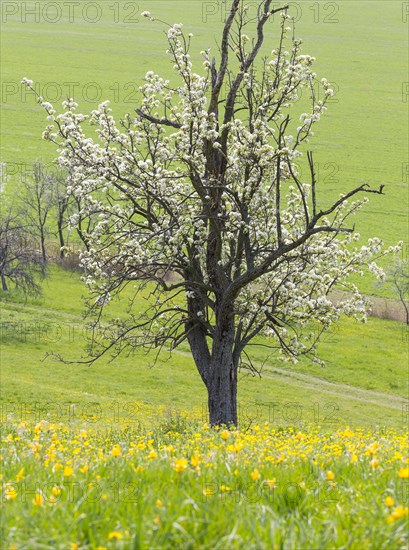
(310, 382)
(336, 388)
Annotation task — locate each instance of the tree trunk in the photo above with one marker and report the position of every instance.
(222, 378)
(4, 283)
(43, 251)
(61, 238)
(222, 397)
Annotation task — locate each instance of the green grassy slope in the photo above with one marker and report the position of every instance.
(360, 47)
(365, 380)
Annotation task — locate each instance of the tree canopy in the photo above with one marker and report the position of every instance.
(200, 200)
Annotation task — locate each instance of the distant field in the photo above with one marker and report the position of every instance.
(360, 47)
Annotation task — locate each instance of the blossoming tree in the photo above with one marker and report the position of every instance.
(200, 202)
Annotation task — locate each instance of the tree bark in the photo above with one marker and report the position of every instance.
(222, 397)
(61, 238)
(222, 379)
(4, 283)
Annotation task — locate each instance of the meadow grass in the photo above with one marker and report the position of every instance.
(119, 455)
(365, 380)
(191, 487)
(359, 47)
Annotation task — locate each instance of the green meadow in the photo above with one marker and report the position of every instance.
(359, 46)
(364, 382)
(321, 457)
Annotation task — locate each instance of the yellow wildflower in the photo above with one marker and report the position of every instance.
(255, 475)
(180, 465)
(403, 473)
(374, 463)
(398, 513)
(68, 471)
(38, 500)
(330, 475)
(225, 435)
(159, 503)
(195, 460)
(11, 492)
(56, 491)
(270, 482)
(116, 451)
(389, 501)
(115, 535)
(153, 454)
(20, 475)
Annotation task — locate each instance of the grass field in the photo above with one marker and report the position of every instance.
(365, 381)
(194, 488)
(359, 46)
(119, 455)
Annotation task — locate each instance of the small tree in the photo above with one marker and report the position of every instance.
(202, 183)
(61, 203)
(397, 276)
(38, 200)
(19, 262)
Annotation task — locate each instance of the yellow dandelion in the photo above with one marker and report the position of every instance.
(74, 546)
(398, 513)
(403, 473)
(255, 475)
(159, 503)
(237, 447)
(152, 455)
(195, 460)
(374, 463)
(354, 459)
(330, 475)
(225, 435)
(38, 499)
(11, 492)
(56, 491)
(389, 501)
(115, 535)
(180, 465)
(116, 451)
(390, 519)
(68, 471)
(20, 475)
(271, 482)
(84, 469)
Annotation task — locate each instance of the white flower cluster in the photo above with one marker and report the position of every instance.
(149, 181)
